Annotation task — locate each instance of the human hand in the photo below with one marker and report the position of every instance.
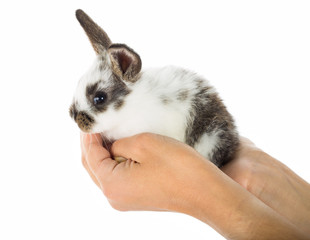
(164, 174)
(158, 175)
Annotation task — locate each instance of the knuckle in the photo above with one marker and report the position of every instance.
(144, 137)
(248, 174)
(142, 141)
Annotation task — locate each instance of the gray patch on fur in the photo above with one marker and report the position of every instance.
(91, 89)
(209, 115)
(102, 66)
(118, 104)
(118, 91)
(73, 111)
(182, 95)
(165, 100)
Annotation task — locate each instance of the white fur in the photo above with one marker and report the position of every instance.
(144, 109)
(206, 144)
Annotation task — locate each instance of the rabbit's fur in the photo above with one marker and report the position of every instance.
(117, 99)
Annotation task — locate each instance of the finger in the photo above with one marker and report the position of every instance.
(246, 142)
(128, 148)
(138, 146)
(96, 156)
(91, 174)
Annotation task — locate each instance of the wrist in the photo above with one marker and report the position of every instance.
(218, 201)
(213, 198)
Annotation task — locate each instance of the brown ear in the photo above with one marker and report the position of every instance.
(98, 38)
(125, 62)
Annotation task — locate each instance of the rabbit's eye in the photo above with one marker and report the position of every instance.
(99, 98)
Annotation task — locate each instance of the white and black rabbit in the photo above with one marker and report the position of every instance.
(117, 99)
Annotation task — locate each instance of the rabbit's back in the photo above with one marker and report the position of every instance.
(187, 98)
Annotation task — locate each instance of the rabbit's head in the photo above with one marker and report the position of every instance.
(105, 85)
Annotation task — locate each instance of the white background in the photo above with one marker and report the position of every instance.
(256, 53)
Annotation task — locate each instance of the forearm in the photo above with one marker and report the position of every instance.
(273, 183)
(233, 212)
(292, 191)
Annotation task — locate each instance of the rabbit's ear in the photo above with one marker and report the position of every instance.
(125, 62)
(98, 38)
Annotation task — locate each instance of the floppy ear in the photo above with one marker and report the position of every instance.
(98, 38)
(125, 62)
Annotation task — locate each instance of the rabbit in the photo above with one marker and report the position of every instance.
(117, 99)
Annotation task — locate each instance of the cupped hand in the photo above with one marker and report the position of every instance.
(158, 175)
(161, 173)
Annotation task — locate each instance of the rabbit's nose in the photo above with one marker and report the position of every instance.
(84, 121)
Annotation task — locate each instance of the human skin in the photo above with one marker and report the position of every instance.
(163, 174)
(273, 183)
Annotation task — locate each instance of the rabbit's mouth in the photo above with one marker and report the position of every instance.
(83, 120)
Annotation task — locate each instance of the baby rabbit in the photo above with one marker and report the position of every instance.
(117, 99)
